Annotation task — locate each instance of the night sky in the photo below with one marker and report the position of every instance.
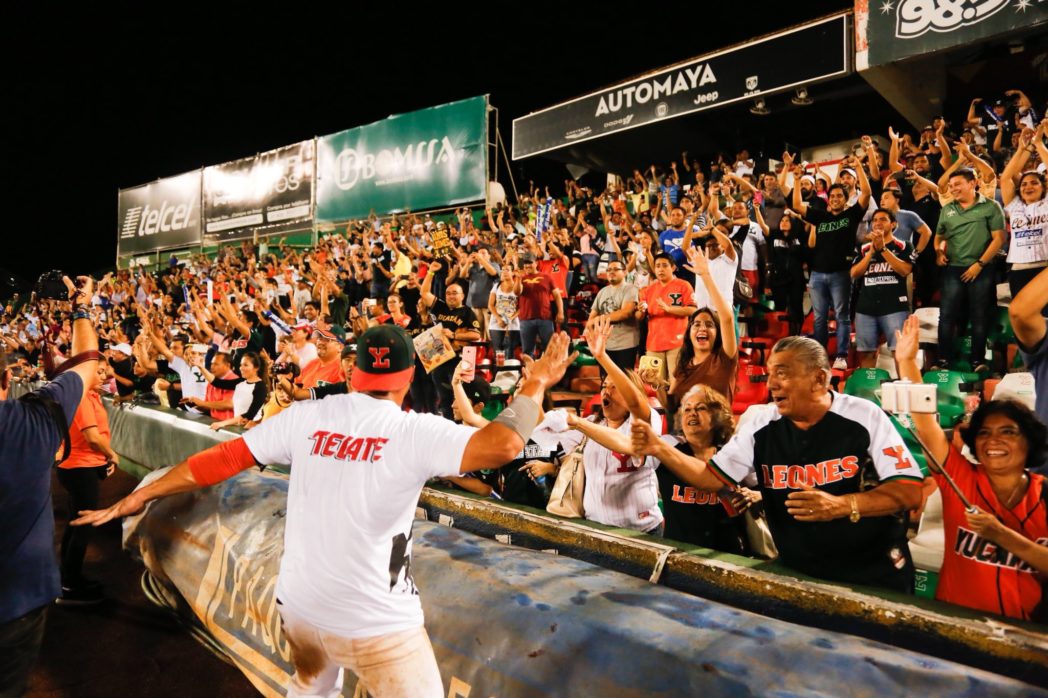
(104, 101)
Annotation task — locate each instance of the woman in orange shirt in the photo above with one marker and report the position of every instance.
(91, 459)
(995, 555)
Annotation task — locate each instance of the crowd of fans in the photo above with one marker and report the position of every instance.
(664, 279)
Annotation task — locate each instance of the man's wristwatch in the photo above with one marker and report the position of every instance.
(855, 515)
(980, 262)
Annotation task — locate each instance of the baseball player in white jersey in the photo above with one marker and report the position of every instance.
(345, 590)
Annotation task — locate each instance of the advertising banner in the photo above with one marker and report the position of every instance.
(893, 31)
(771, 64)
(430, 158)
(270, 192)
(159, 215)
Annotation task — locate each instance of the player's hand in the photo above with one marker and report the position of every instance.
(812, 505)
(907, 340)
(554, 362)
(131, 504)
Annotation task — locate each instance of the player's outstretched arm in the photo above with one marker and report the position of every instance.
(211, 465)
(501, 440)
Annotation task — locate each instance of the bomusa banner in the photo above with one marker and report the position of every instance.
(424, 159)
(160, 215)
(770, 64)
(269, 193)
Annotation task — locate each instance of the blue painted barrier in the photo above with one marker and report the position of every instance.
(511, 622)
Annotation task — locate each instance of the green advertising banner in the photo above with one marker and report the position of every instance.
(894, 30)
(425, 159)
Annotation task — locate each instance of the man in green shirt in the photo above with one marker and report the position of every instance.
(969, 234)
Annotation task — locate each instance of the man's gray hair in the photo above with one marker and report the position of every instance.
(808, 351)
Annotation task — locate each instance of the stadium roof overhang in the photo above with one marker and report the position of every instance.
(923, 60)
(706, 103)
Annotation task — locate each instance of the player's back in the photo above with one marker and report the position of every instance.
(357, 466)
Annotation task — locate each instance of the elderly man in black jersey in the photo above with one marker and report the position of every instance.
(835, 476)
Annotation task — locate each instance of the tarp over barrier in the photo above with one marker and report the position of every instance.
(511, 622)
(151, 437)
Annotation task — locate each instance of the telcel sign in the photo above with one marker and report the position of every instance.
(160, 215)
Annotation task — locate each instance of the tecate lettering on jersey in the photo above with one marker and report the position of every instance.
(327, 444)
(794, 477)
(167, 217)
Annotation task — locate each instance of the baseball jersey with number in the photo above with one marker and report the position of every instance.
(358, 465)
(621, 490)
(853, 448)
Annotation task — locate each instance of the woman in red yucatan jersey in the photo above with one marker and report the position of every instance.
(996, 559)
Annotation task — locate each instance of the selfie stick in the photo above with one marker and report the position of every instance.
(942, 471)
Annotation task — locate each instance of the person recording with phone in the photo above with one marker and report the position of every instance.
(667, 303)
(995, 550)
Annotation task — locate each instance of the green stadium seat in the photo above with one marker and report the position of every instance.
(866, 383)
(952, 388)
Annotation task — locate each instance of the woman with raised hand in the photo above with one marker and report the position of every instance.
(710, 354)
(994, 552)
(621, 490)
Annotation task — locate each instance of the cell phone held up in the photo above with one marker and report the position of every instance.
(469, 364)
(653, 363)
(904, 397)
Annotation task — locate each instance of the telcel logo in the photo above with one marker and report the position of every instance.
(166, 218)
(352, 166)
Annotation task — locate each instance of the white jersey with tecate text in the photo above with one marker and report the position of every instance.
(358, 465)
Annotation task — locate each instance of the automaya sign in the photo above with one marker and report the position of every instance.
(425, 159)
(682, 81)
(736, 73)
(161, 215)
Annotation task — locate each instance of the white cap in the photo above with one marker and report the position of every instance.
(123, 348)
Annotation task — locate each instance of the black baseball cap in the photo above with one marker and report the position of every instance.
(349, 350)
(385, 359)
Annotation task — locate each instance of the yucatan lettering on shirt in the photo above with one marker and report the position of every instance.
(972, 546)
(795, 477)
(327, 444)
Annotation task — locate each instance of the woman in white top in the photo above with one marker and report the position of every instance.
(1027, 210)
(503, 313)
(250, 394)
(621, 490)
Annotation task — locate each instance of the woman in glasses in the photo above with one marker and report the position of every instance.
(704, 425)
(710, 354)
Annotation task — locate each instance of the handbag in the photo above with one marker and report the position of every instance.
(566, 498)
